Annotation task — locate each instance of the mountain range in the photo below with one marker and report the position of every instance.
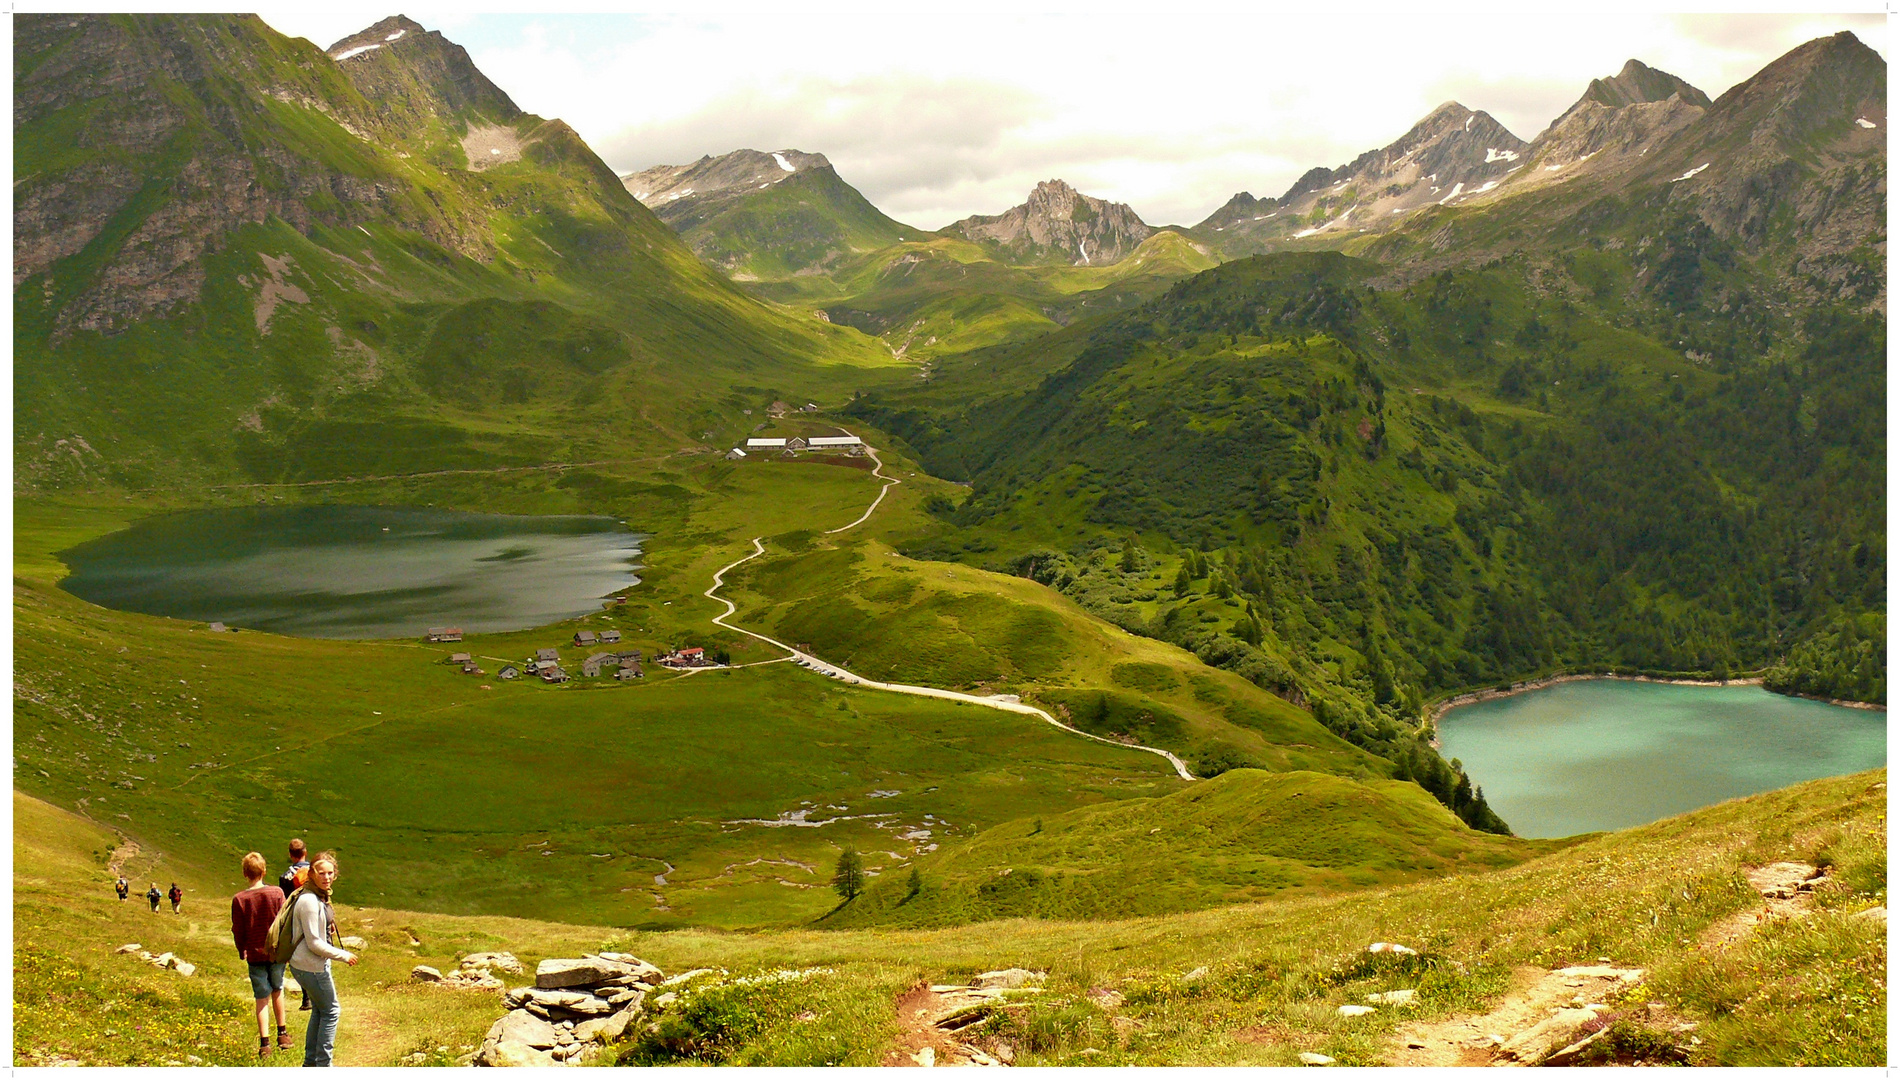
(1264, 495)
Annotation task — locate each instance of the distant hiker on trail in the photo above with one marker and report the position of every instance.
(292, 880)
(122, 887)
(154, 896)
(312, 923)
(253, 909)
(175, 896)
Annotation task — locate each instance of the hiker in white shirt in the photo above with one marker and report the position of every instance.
(311, 960)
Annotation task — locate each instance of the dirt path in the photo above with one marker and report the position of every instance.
(1550, 1015)
(1787, 893)
(1544, 1013)
(127, 850)
(1006, 703)
(933, 1019)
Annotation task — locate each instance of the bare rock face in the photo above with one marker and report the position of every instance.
(678, 193)
(1059, 224)
(1448, 158)
(118, 122)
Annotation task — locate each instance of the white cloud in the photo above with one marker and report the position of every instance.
(935, 116)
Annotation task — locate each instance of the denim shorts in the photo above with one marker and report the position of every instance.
(266, 979)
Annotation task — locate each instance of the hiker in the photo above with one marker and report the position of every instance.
(291, 880)
(153, 896)
(122, 887)
(175, 896)
(313, 924)
(253, 909)
(299, 871)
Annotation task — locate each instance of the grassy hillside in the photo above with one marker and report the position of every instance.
(1244, 835)
(937, 298)
(388, 753)
(379, 289)
(1364, 497)
(1271, 974)
(804, 224)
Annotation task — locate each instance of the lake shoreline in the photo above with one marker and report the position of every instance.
(1492, 693)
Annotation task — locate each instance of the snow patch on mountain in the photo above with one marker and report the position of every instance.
(1690, 173)
(782, 163)
(358, 51)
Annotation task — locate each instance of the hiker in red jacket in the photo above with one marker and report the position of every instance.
(252, 911)
(177, 896)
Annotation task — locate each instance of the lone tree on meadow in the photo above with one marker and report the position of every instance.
(849, 880)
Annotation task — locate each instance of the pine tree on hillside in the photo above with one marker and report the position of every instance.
(848, 881)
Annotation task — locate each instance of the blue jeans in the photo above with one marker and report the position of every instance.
(319, 1039)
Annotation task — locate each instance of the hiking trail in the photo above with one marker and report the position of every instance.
(1004, 702)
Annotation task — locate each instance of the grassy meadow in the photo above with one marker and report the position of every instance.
(1809, 991)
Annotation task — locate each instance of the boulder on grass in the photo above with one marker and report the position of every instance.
(492, 961)
(184, 968)
(587, 971)
(425, 973)
(608, 1029)
(123, 949)
(354, 943)
(1007, 979)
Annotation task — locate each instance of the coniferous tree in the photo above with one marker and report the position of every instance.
(848, 881)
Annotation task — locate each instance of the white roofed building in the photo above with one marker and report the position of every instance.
(825, 441)
(765, 444)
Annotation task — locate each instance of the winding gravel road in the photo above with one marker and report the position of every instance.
(1005, 702)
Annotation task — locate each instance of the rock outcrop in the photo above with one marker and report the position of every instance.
(575, 1007)
(1058, 224)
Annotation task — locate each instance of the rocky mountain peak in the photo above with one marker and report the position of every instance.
(1618, 118)
(413, 71)
(665, 188)
(1059, 224)
(1638, 83)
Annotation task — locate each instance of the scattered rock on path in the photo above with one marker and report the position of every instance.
(1780, 881)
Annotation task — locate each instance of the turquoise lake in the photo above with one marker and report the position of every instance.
(1609, 753)
(357, 571)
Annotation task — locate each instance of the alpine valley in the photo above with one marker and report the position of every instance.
(1122, 604)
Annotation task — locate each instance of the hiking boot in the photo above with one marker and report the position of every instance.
(283, 1039)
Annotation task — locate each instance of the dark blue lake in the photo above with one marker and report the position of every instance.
(357, 571)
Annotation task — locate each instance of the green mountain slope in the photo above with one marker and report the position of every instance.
(1365, 498)
(238, 256)
(1242, 836)
(934, 299)
(767, 217)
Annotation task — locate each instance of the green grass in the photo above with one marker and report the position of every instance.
(1244, 835)
(1810, 991)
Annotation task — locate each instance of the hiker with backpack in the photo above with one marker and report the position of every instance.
(290, 881)
(177, 896)
(301, 935)
(122, 887)
(253, 910)
(154, 896)
(299, 871)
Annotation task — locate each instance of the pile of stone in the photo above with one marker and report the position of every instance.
(573, 1010)
(476, 973)
(162, 960)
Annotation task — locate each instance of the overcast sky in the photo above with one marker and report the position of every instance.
(938, 116)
